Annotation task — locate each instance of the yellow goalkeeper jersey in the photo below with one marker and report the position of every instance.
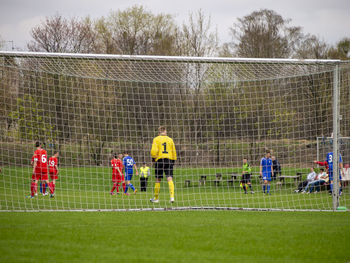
(163, 147)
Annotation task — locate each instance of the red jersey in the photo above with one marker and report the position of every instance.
(117, 170)
(53, 163)
(40, 156)
(323, 164)
(117, 166)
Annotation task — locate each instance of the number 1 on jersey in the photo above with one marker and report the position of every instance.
(164, 144)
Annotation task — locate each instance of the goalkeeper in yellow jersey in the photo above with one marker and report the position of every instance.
(164, 155)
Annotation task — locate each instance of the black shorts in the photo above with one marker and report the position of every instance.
(245, 178)
(164, 166)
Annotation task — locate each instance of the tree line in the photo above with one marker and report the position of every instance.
(80, 106)
(136, 31)
(212, 120)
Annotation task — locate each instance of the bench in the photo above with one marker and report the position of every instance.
(218, 179)
(235, 176)
(325, 187)
(202, 180)
(232, 180)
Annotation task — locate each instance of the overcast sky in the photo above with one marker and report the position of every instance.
(327, 19)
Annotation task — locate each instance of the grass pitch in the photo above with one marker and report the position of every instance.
(88, 188)
(172, 236)
(181, 236)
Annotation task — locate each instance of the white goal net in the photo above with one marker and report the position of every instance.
(325, 145)
(218, 111)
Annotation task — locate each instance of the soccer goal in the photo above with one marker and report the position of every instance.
(218, 111)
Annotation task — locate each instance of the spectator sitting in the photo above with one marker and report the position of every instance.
(276, 167)
(310, 177)
(322, 179)
(346, 177)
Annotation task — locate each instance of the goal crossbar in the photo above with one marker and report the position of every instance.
(168, 58)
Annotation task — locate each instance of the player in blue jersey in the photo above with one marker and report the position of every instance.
(129, 165)
(266, 171)
(329, 161)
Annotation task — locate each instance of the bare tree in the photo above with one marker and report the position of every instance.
(198, 38)
(103, 42)
(344, 48)
(58, 34)
(312, 47)
(137, 31)
(341, 50)
(264, 34)
(9, 89)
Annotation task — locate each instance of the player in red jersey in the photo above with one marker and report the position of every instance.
(53, 173)
(34, 182)
(40, 165)
(117, 173)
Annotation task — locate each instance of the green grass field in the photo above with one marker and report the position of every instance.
(88, 188)
(181, 236)
(167, 236)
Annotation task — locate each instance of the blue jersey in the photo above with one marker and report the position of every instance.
(128, 163)
(266, 164)
(329, 160)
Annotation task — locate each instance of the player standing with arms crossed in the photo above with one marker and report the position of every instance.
(163, 152)
(266, 171)
(53, 162)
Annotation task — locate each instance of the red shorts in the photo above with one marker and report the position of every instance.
(36, 177)
(117, 178)
(44, 177)
(41, 175)
(53, 174)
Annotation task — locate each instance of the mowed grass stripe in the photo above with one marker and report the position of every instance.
(191, 236)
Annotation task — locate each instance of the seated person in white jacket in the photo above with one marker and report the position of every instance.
(303, 184)
(322, 179)
(311, 177)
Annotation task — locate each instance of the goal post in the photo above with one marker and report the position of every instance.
(218, 111)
